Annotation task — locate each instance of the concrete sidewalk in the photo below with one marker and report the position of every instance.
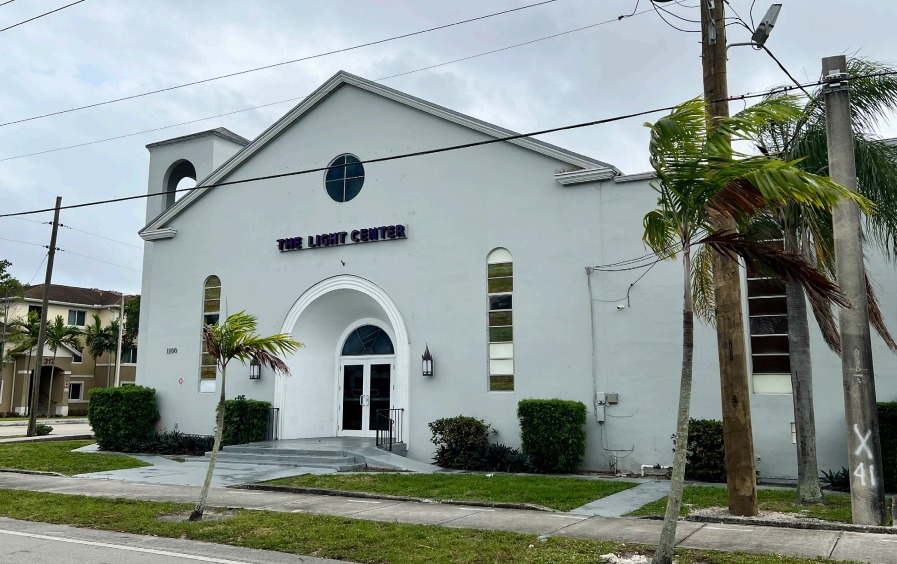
(838, 545)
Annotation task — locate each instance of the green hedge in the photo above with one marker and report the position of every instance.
(552, 434)
(459, 441)
(245, 421)
(887, 430)
(121, 415)
(706, 457)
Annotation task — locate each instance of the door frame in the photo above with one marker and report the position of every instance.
(365, 361)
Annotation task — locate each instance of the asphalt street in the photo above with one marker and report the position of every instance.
(24, 542)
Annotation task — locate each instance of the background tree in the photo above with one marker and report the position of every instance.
(699, 179)
(809, 231)
(58, 334)
(100, 340)
(132, 320)
(23, 334)
(236, 339)
(10, 288)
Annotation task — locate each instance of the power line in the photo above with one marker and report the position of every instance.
(429, 67)
(99, 236)
(780, 89)
(98, 260)
(265, 67)
(7, 2)
(66, 251)
(38, 17)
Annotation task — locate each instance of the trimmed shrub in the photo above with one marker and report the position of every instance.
(77, 412)
(121, 415)
(705, 460)
(41, 430)
(502, 458)
(460, 441)
(245, 421)
(837, 481)
(552, 433)
(170, 442)
(887, 430)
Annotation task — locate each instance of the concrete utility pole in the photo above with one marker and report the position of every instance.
(121, 329)
(741, 476)
(863, 445)
(42, 332)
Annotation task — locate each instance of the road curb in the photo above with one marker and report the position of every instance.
(811, 526)
(369, 495)
(34, 472)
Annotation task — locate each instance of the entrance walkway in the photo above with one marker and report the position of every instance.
(258, 462)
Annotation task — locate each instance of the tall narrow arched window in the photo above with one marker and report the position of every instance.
(500, 287)
(211, 312)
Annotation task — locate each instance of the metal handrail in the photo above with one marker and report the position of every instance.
(389, 427)
(273, 416)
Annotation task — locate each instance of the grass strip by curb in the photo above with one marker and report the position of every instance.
(337, 537)
(372, 495)
(554, 492)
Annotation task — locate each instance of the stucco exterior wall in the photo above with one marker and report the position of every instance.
(457, 207)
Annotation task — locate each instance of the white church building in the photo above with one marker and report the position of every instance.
(481, 256)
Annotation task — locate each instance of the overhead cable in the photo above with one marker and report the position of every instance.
(271, 66)
(429, 67)
(513, 137)
(38, 17)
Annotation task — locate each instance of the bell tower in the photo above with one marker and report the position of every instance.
(192, 156)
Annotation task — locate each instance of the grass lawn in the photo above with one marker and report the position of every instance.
(836, 507)
(563, 494)
(334, 537)
(55, 456)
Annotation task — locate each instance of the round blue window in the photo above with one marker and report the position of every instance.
(344, 178)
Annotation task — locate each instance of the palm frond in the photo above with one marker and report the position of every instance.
(774, 261)
(825, 319)
(703, 296)
(876, 318)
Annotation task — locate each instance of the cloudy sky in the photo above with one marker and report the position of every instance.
(104, 49)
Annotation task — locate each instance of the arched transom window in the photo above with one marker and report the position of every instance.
(367, 340)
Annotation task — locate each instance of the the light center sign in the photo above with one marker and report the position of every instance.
(365, 235)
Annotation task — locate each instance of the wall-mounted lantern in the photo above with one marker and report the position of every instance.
(427, 362)
(255, 371)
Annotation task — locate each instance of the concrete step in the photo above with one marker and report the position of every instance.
(263, 451)
(309, 459)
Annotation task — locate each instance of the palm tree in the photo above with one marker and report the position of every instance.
(99, 341)
(873, 97)
(699, 179)
(60, 334)
(24, 333)
(237, 339)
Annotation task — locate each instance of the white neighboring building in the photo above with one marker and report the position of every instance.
(478, 255)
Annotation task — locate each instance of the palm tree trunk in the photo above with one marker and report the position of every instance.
(808, 490)
(50, 391)
(664, 552)
(196, 515)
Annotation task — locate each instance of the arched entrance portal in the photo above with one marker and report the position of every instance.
(354, 363)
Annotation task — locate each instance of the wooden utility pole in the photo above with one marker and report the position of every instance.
(741, 476)
(42, 332)
(863, 445)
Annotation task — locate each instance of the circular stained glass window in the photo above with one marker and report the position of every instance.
(344, 178)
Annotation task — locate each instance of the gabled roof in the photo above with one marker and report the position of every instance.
(74, 295)
(155, 229)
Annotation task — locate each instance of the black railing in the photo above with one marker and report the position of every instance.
(389, 427)
(273, 415)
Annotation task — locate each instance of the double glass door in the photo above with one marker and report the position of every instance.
(364, 389)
